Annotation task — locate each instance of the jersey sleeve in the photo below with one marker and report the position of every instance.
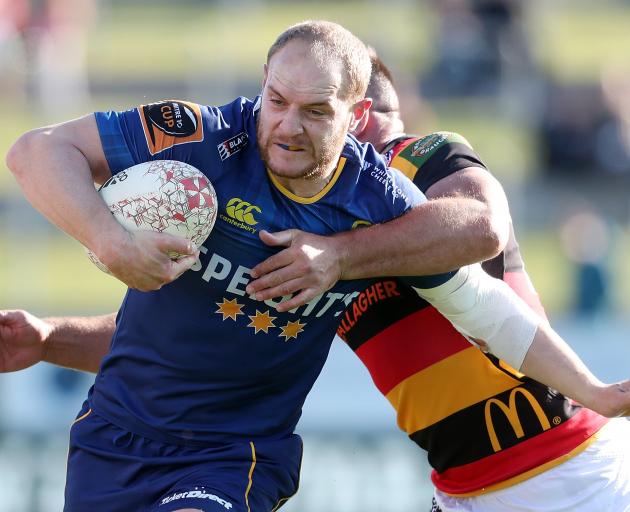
(384, 192)
(169, 130)
(429, 159)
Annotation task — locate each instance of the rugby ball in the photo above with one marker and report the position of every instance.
(166, 196)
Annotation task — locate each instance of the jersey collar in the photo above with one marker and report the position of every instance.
(309, 200)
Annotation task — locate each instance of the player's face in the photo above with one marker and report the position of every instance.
(303, 122)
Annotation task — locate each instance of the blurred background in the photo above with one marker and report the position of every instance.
(540, 89)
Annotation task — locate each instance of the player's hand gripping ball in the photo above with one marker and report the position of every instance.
(166, 196)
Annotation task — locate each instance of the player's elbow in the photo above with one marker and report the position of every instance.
(14, 155)
(485, 240)
(20, 154)
(495, 231)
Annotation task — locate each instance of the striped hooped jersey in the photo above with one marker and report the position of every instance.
(483, 424)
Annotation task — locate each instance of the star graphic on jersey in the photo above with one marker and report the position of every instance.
(291, 330)
(197, 192)
(261, 321)
(229, 309)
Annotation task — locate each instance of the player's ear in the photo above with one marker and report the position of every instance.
(265, 73)
(360, 115)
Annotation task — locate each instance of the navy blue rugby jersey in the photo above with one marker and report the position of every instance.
(199, 361)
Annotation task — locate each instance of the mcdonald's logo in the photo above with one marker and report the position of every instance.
(242, 211)
(511, 414)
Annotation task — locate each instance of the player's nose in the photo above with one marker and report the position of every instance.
(291, 123)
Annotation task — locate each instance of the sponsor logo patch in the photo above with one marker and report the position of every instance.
(383, 290)
(198, 493)
(427, 144)
(241, 214)
(242, 211)
(232, 146)
(511, 411)
(172, 122)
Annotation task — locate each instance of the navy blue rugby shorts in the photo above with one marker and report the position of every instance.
(113, 470)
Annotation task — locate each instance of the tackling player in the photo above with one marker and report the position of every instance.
(497, 440)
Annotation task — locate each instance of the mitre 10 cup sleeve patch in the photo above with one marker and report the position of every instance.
(171, 122)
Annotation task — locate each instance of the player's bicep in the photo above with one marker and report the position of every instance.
(83, 135)
(472, 183)
(489, 210)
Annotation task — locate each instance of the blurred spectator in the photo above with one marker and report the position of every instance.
(15, 16)
(613, 138)
(60, 33)
(573, 115)
(44, 42)
(477, 45)
(586, 241)
(586, 127)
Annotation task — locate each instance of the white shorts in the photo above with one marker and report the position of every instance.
(596, 480)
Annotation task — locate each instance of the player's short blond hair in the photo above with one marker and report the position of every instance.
(330, 41)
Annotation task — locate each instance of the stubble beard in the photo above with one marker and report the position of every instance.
(329, 154)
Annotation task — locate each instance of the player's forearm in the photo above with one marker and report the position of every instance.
(79, 342)
(551, 361)
(435, 237)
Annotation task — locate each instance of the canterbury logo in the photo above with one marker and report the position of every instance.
(511, 414)
(242, 211)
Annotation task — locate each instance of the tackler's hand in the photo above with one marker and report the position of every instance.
(308, 266)
(22, 340)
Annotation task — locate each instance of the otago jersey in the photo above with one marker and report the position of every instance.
(199, 361)
(483, 424)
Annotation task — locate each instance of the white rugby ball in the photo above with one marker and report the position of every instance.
(166, 196)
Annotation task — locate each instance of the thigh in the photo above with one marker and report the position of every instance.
(113, 470)
(103, 473)
(262, 482)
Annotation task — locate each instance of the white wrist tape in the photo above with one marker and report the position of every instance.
(487, 309)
